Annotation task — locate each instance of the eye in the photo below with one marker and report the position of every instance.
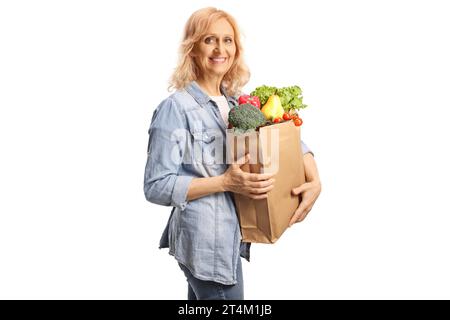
(210, 40)
(228, 40)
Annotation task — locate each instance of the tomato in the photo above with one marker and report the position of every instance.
(286, 116)
(298, 122)
(276, 120)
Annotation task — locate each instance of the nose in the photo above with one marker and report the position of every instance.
(218, 47)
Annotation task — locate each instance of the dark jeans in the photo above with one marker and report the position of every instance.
(210, 290)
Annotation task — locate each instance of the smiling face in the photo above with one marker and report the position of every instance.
(214, 54)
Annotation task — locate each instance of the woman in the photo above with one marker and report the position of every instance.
(184, 168)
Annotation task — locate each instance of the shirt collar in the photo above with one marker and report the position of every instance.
(202, 98)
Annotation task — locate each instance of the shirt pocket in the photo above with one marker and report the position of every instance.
(207, 147)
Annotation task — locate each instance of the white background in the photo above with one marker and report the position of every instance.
(79, 81)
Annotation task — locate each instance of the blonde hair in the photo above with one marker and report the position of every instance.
(187, 70)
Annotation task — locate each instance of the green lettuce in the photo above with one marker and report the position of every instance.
(291, 97)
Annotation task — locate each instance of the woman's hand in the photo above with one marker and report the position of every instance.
(309, 191)
(252, 185)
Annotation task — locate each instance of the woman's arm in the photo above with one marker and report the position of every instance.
(201, 187)
(253, 185)
(309, 191)
(162, 184)
(311, 171)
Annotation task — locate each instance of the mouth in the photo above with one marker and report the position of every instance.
(217, 60)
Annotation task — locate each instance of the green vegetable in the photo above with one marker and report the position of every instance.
(291, 97)
(263, 93)
(246, 117)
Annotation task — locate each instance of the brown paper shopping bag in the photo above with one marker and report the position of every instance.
(274, 149)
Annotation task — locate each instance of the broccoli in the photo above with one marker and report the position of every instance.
(245, 117)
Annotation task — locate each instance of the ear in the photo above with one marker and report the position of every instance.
(194, 51)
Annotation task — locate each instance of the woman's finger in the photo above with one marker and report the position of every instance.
(303, 215)
(261, 190)
(257, 196)
(302, 207)
(261, 184)
(259, 176)
(299, 190)
(241, 161)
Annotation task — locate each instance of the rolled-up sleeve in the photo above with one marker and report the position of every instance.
(306, 149)
(166, 149)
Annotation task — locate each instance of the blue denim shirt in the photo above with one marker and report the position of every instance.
(202, 234)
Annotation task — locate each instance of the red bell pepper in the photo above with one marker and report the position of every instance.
(249, 99)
